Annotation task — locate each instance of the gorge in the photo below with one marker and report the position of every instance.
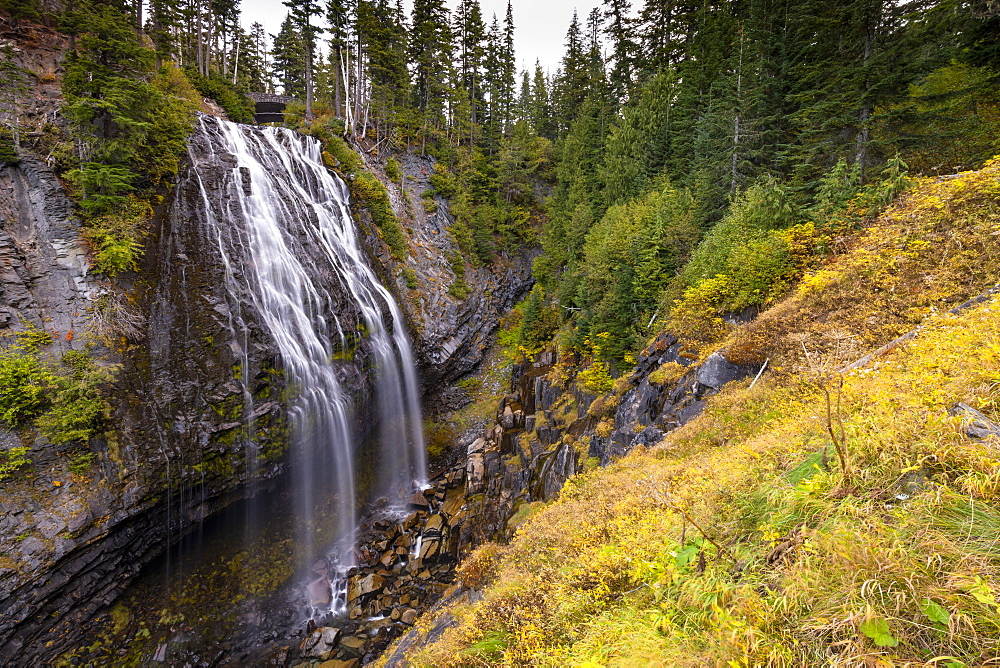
(683, 353)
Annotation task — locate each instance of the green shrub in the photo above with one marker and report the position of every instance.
(21, 9)
(444, 182)
(764, 207)
(23, 381)
(11, 460)
(65, 402)
(78, 407)
(458, 288)
(596, 378)
(348, 159)
(427, 199)
(31, 338)
(100, 188)
(116, 237)
(410, 277)
(80, 462)
(373, 196)
(8, 154)
(393, 170)
(237, 106)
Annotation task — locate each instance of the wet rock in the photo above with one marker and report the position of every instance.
(321, 643)
(362, 586)
(434, 524)
(160, 655)
(340, 663)
(353, 643)
(320, 592)
(418, 502)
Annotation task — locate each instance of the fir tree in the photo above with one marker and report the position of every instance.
(290, 58)
(301, 13)
(339, 16)
(470, 35)
(619, 30)
(430, 56)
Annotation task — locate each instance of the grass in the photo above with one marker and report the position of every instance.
(736, 541)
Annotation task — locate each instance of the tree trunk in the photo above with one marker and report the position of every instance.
(337, 112)
(864, 133)
(198, 57)
(309, 83)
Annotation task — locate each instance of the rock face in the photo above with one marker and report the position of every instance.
(44, 283)
(199, 393)
(450, 335)
(40, 50)
(43, 270)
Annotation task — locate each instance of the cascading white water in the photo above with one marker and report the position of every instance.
(300, 259)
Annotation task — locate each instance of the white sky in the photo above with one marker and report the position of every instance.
(540, 25)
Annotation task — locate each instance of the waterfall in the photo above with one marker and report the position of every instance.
(286, 237)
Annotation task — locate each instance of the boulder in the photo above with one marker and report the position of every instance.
(321, 643)
(507, 418)
(476, 471)
(434, 524)
(418, 502)
(717, 371)
(338, 663)
(648, 436)
(361, 586)
(975, 424)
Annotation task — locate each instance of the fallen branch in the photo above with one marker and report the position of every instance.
(975, 301)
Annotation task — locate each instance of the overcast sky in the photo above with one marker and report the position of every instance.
(540, 24)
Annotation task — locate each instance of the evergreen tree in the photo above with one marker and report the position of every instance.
(508, 69)
(339, 16)
(289, 54)
(619, 30)
(572, 82)
(470, 36)
(301, 13)
(430, 56)
(541, 104)
(494, 74)
(855, 62)
(382, 47)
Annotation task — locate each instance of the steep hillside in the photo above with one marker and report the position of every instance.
(843, 508)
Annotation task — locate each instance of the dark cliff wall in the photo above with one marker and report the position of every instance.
(199, 404)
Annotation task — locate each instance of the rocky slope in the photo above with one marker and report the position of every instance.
(759, 530)
(451, 335)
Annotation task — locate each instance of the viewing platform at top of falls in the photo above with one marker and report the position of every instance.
(270, 108)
